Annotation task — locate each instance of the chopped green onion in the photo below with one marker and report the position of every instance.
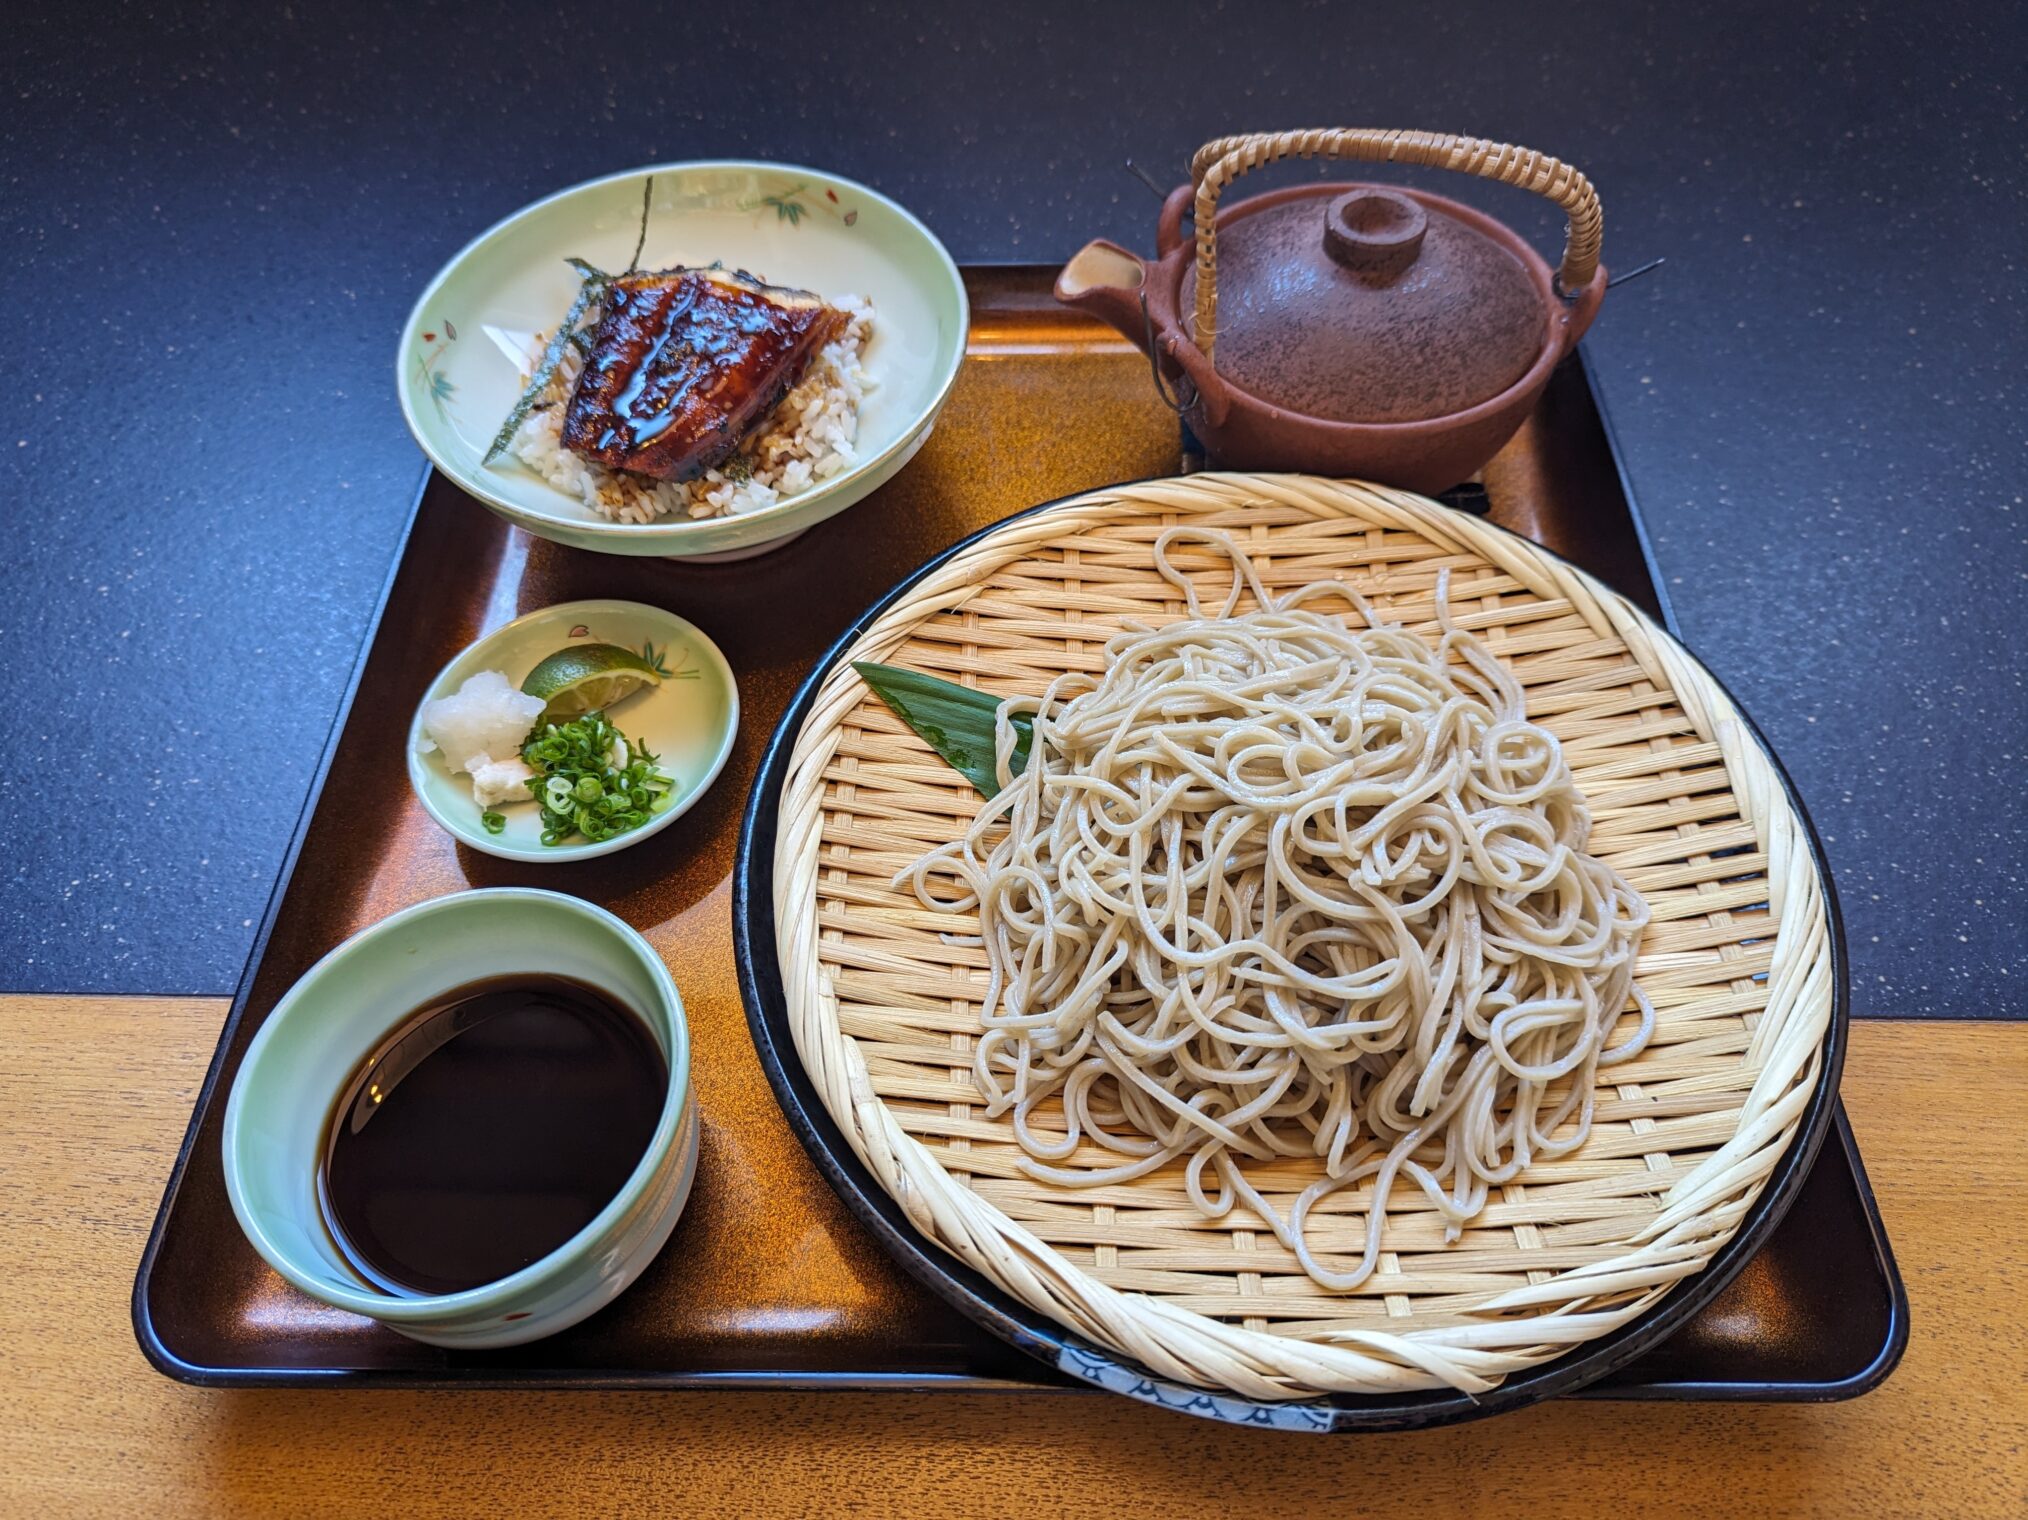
(493, 821)
(591, 781)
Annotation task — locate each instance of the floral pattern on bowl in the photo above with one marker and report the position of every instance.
(437, 385)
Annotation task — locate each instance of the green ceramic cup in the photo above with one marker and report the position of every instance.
(281, 1101)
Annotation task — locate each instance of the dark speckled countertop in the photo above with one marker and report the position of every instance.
(214, 222)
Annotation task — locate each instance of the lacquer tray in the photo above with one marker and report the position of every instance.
(770, 1279)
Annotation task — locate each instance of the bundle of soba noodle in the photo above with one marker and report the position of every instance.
(1276, 884)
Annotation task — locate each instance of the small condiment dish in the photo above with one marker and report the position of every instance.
(688, 721)
(278, 1117)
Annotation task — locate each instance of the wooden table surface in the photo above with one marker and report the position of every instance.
(95, 1093)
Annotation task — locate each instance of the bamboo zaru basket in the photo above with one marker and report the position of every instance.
(883, 995)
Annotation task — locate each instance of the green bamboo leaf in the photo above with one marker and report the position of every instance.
(955, 721)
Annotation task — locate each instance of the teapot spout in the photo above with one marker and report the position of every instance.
(1106, 280)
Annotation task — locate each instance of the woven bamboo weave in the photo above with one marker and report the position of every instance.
(883, 997)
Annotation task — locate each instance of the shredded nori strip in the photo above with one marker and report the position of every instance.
(545, 371)
(594, 287)
(647, 196)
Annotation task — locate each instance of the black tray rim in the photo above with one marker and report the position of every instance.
(1049, 1343)
(153, 1347)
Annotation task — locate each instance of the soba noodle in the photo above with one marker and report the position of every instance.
(1278, 885)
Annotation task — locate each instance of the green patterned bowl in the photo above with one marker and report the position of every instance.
(457, 371)
(277, 1118)
(689, 721)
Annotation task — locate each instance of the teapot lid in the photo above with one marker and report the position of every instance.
(1368, 305)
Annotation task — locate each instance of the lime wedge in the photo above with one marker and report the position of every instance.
(587, 678)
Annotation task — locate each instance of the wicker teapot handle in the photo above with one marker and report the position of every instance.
(1220, 162)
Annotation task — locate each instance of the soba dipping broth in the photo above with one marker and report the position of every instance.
(488, 1128)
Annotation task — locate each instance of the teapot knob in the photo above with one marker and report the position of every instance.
(1374, 233)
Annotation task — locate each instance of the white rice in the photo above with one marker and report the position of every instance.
(809, 437)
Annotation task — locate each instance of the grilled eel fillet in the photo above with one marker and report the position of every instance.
(685, 364)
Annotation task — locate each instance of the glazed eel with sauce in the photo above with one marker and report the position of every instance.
(685, 363)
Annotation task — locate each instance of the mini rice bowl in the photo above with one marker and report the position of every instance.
(464, 350)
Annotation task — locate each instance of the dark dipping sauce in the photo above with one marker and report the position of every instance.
(486, 1130)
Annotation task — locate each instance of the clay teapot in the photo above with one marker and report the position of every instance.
(1351, 329)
